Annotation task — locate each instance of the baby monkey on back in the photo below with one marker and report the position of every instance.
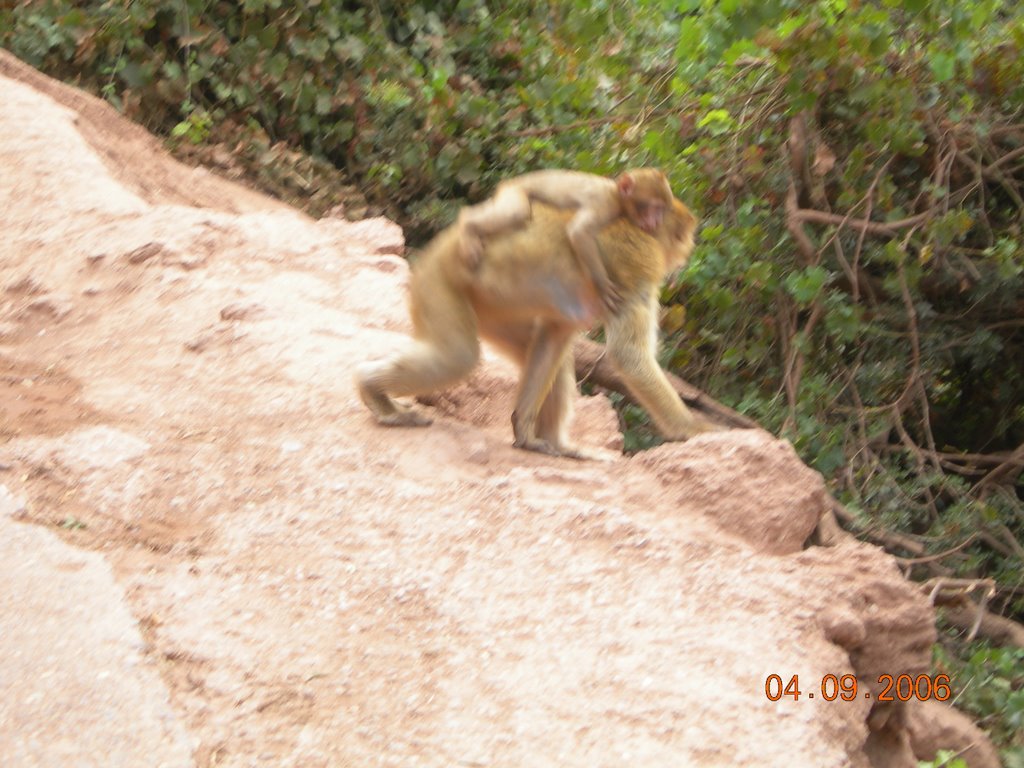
(642, 195)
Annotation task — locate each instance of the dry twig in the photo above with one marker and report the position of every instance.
(946, 591)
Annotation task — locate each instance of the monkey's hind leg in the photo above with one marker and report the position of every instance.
(423, 369)
(444, 350)
(556, 413)
(535, 427)
(508, 209)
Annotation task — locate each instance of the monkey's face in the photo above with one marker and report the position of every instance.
(649, 214)
(645, 194)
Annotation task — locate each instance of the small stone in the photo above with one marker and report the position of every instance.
(242, 311)
(144, 253)
(187, 261)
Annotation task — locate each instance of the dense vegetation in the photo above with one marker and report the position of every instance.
(858, 166)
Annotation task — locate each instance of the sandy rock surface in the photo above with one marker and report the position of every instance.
(78, 688)
(209, 546)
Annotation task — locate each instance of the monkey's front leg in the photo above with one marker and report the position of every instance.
(632, 340)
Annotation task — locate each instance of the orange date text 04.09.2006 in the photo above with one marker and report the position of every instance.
(832, 687)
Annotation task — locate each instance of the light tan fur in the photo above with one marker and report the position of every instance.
(642, 194)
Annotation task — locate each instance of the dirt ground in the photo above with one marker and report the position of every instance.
(214, 557)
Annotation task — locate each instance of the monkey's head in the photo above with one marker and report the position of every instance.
(645, 195)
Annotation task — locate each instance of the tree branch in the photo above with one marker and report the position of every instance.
(888, 229)
(882, 229)
(999, 629)
(1015, 461)
(592, 365)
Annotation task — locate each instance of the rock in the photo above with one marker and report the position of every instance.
(774, 507)
(25, 285)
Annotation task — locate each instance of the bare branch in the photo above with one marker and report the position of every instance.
(937, 555)
(1014, 461)
(999, 629)
(592, 364)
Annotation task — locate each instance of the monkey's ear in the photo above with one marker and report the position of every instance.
(684, 220)
(626, 183)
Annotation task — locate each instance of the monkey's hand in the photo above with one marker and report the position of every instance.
(609, 296)
(471, 249)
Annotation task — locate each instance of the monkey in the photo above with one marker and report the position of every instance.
(530, 298)
(641, 194)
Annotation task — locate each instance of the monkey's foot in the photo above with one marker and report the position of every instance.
(550, 449)
(585, 454)
(404, 416)
(694, 427)
(385, 410)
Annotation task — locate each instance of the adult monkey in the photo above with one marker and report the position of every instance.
(530, 297)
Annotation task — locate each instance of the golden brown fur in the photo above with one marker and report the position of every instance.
(530, 297)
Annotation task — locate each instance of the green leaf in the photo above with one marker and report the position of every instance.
(718, 122)
(439, 80)
(351, 48)
(691, 35)
(317, 48)
(277, 65)
(323, 103)
(759, 273)
(913, 6)
(943, 65)
(655, 143)
(268, 37)
(738, 49)
(788, 26)
(842, 322)
(805, 286)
